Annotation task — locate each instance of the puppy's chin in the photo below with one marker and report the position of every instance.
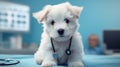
(65, 38)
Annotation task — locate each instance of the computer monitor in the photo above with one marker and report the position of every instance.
(111, 39)
(14, 17)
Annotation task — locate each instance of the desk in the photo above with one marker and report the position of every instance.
(89, 61)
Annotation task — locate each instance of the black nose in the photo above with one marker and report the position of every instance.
(61, 31)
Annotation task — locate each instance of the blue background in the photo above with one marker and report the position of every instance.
(98, 15)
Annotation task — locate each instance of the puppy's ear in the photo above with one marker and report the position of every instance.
(75, 10)
(42, 15)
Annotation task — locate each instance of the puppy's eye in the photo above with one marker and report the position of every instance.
(52, 22)
(66, 20)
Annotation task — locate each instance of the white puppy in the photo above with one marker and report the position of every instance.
(61, 25)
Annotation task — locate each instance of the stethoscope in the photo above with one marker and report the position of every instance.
(6, 62)
(68, 51)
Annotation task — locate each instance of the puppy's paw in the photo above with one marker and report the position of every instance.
(38, 59)
(48, 64)
(76, 64)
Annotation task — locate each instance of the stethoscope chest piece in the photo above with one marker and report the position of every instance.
(68, 52)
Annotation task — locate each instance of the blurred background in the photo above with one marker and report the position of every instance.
(99, 22)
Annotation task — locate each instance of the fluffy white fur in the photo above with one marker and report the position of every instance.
(58, 13)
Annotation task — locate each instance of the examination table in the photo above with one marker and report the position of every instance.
(89, 61)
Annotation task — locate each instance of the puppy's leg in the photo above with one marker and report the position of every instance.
(44, 54)
(38, 57)
(48, 61)
(75, 59)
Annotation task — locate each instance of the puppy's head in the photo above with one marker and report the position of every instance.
(59, 21)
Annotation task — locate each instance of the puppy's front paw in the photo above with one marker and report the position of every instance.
(38, 59)
(76, 64)
(48, 64)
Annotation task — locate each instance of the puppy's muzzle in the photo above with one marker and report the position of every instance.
(61, 32)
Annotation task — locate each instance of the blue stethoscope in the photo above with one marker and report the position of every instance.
(6, 62)
(68, 51)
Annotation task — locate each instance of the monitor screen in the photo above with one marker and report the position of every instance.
(14, 18)
(112, 39)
